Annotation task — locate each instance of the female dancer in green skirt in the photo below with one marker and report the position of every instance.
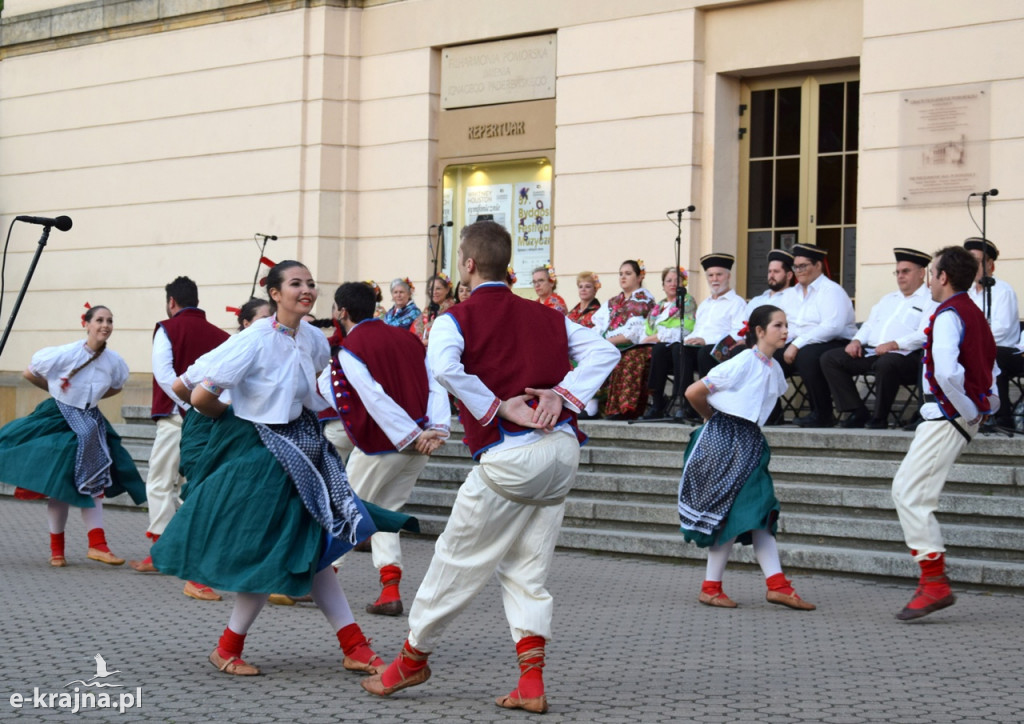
(726, 493)
(268, 506)
(66, 450)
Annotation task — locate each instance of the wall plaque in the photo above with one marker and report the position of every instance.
(505, 71)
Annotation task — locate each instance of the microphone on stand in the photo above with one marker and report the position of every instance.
(270, 237)
(688, 210)
(63, 223)
(990, 192)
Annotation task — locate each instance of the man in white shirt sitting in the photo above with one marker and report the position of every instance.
(1004, 319)
(717, 317)
(888, 345)
(820, 316)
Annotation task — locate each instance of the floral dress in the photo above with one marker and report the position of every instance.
(421, 327)
(555, 302)
(584, 316)
(627, 385)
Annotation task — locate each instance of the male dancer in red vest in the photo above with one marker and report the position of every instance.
(959, 373)
(178, 341)
(394, 412)
(507, 360)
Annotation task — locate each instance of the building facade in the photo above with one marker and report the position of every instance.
(175, 131)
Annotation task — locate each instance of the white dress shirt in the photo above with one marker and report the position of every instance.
(776, 299)
(596, 357)
(396, 423)
(272, 374)
(820, 312)
(1005, 313)
(746, 386)
(900, 319)
(163, 366)
(718, 317)
(87, 387)
(949, 373)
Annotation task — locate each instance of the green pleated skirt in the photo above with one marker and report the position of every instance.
(37, 453)
(242, 526)
(755, 506)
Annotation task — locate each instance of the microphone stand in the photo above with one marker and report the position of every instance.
(435, 249)
(987, 282)
(24, 287)
(680, 304)
(256, 276)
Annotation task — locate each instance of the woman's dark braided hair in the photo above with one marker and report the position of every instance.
(87, 317)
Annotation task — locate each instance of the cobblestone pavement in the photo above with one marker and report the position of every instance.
(631, 645)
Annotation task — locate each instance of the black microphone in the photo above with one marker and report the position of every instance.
(689, 209)
(444, 223)
(63, 223)
(992, 192)
(267, 236)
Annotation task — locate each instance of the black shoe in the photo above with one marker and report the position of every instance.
(912, 425)
(857, 418)
(876, 424)
(813, 420)
(654, 412)
(585, 416)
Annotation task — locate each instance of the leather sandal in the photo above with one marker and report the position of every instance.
(373, 665)
(375, 683)
(107, 557)
(234, 665)
(539, 705)
(200, 592)
(143, 566)
(716, 600)
(58, 561)
(790, 600)
(391, 608)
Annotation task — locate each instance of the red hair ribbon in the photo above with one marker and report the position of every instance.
(744, 329)
(234, 310)
(264, 260)
(87, 307)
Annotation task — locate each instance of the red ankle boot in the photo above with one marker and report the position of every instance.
(933, 592)
(389, 603)
(529, 695)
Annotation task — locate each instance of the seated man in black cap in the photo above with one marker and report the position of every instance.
(888, 345)
(1004, 320)
(780, 281)
(717, 317)
(820, 316)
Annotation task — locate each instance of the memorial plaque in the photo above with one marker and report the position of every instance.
(506, 71)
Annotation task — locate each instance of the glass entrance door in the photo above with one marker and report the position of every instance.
(798, 180)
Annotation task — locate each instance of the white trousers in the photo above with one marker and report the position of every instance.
(163, 484)
(489, 533)
(334, 431)
(920, 479)
(386, 480)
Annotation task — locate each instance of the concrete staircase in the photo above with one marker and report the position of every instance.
(837, 513)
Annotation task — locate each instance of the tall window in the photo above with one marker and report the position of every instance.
(799, 171)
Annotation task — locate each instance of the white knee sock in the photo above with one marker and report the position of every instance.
(247, 608)
(93, 517)
(57, 515)
(331, 600)
(767, 552)
(718, 556)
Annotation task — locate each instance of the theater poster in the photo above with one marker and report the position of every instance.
(531, 236)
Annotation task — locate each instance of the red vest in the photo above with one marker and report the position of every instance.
(395, 360)
(977, 355)
(511, 343)
(191, 337)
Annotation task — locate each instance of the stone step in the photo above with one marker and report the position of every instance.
(794, 556)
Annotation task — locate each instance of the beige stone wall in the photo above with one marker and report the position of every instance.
(171, 146)
(915, 45)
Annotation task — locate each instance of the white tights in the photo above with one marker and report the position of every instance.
(57, 515)
(327, 594)
(765, 549)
